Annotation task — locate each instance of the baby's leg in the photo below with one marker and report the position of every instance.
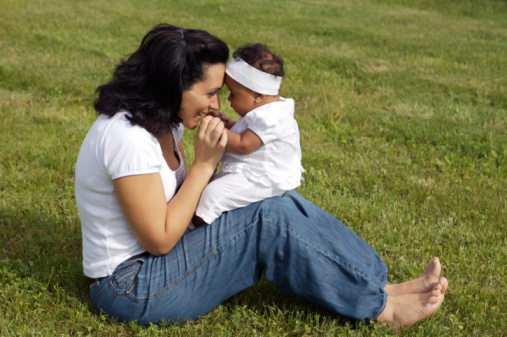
(230, 191)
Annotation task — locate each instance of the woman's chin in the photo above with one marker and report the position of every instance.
(190, 124)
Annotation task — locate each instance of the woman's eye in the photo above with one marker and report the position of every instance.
(211, 94)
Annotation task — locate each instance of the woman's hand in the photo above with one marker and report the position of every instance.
(228, 123)
(210, 143)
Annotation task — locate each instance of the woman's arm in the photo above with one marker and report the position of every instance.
(159, 225)
(245, 143)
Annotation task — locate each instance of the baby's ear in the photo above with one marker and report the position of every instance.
(258, 97)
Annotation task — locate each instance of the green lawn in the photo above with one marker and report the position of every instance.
(402, 107)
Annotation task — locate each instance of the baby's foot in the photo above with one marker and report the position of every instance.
(422, 284)
(406, 310)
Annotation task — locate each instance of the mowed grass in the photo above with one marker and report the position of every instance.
(402, 107)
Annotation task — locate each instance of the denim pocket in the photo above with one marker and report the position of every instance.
(125, 278)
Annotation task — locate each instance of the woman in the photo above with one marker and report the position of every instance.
(136, 201)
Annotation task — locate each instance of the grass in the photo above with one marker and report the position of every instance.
(402, 110)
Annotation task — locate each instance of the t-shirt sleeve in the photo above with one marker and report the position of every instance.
(268, 127)
(130, 150)
(178, 133)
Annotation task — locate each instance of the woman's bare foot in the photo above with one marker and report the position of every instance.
(422, 284)
(406, 310)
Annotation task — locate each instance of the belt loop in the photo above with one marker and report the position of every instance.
(93, 282)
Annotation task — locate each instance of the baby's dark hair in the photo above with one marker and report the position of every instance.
(260, 57)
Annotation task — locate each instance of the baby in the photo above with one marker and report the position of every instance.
(263, 157)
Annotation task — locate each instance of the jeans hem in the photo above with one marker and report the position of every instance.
(381, 308)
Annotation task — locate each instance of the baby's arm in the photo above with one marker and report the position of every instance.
(246, 143)
(229, 124)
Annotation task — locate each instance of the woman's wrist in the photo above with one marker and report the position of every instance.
(203, 170)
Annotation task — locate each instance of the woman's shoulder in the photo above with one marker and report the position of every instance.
(125, 148)
(119, 127)
(115, 133)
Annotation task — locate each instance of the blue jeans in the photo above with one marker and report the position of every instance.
(300, 248)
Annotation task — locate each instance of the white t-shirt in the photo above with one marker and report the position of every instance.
(115, 148)
(277, 163)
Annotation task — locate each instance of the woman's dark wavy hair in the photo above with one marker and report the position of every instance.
(150, 82)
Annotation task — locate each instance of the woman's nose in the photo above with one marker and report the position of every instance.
(215, 102)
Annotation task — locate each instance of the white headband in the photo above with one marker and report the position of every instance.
(253, 78)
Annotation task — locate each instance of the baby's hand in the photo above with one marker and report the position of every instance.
(223, 117)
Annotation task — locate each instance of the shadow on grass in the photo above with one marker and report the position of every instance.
(264, 297)
(41, 248)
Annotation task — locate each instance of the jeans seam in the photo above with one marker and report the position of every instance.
(172, 285)
(101, 290)
(184, 276)
(320, 251)
(235, 236)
